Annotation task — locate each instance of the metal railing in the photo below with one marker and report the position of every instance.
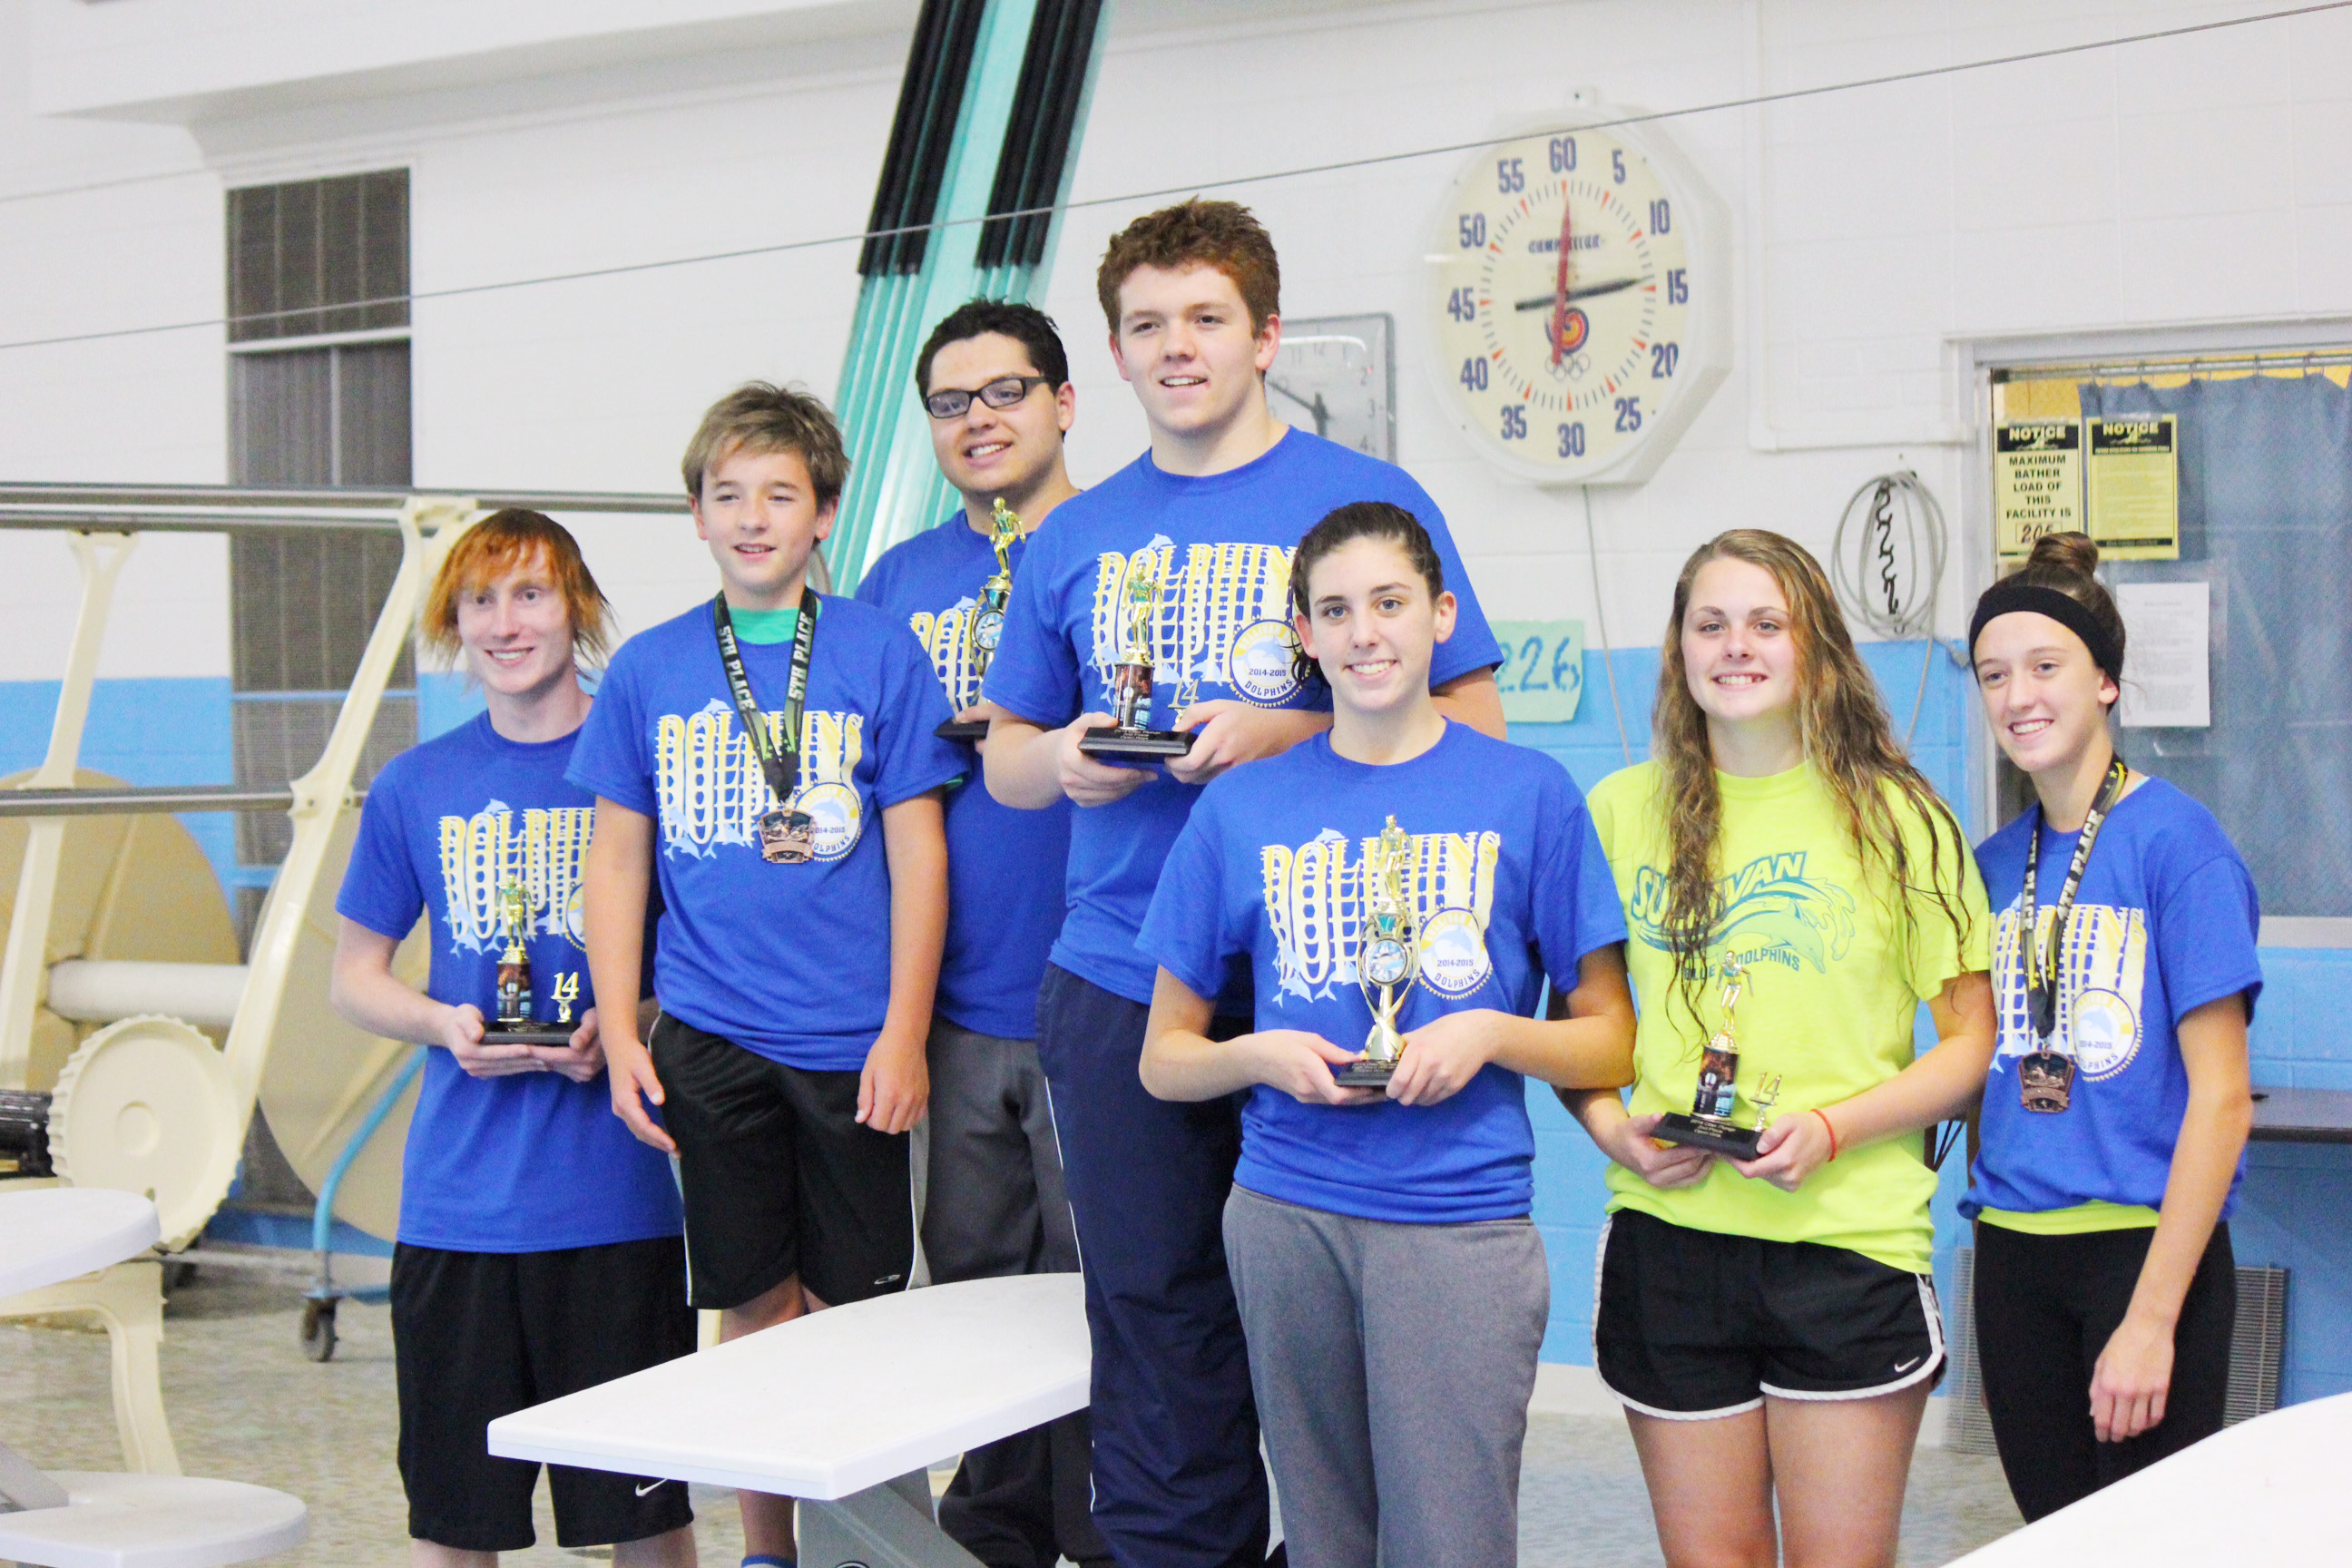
(228, 508)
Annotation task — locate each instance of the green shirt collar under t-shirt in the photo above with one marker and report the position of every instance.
(764, 625)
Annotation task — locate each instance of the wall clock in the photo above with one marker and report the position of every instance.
(1334, 375)
(1578, 303)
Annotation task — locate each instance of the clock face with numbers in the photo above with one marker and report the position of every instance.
(1578, 310)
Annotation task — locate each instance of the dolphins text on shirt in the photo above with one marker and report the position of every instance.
(1314, 903)
(1224, 617)
(483, 854)
(713, 793)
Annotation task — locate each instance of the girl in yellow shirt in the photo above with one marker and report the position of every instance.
(1765, 1314)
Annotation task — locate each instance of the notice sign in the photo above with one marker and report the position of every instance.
(1542, 676)
(2037, 481)
(2167, 671)
(2134, 488)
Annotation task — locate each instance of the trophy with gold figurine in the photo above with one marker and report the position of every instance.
(1709, 1125)
(1127, 740)
(1387, 956)
(511, 1022)
(986, 628)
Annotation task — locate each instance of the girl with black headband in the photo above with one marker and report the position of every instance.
(2115, 1112)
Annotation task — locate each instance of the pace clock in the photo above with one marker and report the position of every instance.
(1577, 308)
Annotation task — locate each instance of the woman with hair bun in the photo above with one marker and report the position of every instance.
(2115, 1112)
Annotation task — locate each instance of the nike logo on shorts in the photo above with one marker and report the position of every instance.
(651, 1485)
(1899, 1366)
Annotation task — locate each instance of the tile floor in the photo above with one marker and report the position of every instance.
(246, 1404)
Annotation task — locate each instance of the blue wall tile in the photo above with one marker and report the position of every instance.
(160, 730)
(444, 700)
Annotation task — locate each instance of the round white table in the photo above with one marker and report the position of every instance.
(56, 1232)
(75, 1519)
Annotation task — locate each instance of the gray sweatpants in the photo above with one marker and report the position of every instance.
(994, 1205)
(1392, 1366)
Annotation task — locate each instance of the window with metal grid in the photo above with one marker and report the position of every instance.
(319, 395)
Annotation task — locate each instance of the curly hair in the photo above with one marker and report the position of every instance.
(1196, 232)
(1847, 739)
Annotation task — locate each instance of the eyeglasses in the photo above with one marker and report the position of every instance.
(1002, 392)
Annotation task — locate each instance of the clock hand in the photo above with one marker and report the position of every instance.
(1560, 284)
(1315, 406)
(1547, 302)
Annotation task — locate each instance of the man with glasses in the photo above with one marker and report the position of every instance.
(995, 381)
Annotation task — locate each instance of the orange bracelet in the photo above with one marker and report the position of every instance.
(1829, 1128)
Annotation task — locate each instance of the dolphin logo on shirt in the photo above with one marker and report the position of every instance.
(1769, 911)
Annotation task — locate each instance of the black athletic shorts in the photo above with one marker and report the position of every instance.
(779, 1178)
(478, 1335)
(1691, 1324)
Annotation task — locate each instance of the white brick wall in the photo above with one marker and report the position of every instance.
(2193, 180)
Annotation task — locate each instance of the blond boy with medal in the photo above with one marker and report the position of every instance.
(771, 757)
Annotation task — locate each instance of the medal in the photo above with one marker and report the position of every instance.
(787, 836)
(2045, 1075)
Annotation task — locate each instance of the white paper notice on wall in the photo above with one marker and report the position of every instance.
(2167, 673)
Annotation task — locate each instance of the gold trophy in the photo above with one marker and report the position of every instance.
(1387, 956)
(510, 1021)
(1126, 740)
(1709, 1125)
(987, 627)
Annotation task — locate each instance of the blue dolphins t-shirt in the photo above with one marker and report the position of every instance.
(1507, 885)
(2165, 921)
(1220, 546)
(792, 962)
(1005, 866)
(531, 1161)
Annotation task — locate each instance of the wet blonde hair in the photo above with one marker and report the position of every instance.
(1847, 739)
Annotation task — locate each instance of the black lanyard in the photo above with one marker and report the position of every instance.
(2041, 978)
(781, 764)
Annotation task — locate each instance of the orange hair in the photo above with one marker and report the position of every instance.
(507, 541)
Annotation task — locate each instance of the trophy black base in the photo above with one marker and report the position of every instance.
(1366, 1074)
(527, 1032)
(1135, 745)
(1707, 1132)
(965, 730)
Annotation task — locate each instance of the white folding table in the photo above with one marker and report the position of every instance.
(69, 1519)
(843, 1409)
(2264, 1491)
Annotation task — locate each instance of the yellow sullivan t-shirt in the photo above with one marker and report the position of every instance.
(1833, 978)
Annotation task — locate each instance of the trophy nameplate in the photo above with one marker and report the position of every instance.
(1127, 739)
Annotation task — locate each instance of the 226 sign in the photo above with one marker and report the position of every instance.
(1541, 678)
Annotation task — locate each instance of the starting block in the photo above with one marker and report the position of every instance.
(845, 1409)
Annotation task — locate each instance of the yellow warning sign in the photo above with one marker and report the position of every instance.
(2037, 481)
(2134, 487)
